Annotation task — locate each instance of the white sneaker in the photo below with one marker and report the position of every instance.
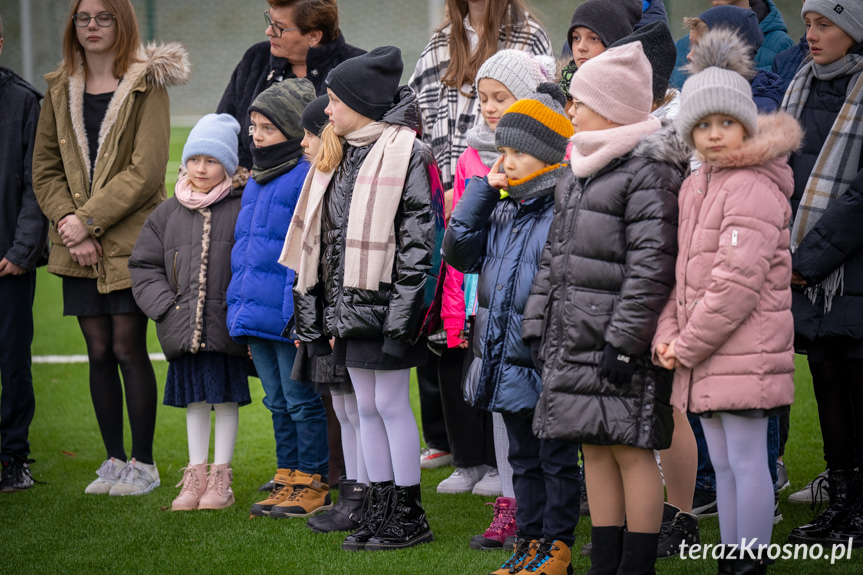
(108, 473)
(431, 458)
(489, 484)
(136, 479)
(462, 479)
(809, 494)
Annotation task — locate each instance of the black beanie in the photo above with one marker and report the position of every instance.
(611, 20)
(314, 118)
(368, 84)
(660, 50)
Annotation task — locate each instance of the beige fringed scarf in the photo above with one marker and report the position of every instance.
(370, 238)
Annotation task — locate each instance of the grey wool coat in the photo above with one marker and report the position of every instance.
(181, 267)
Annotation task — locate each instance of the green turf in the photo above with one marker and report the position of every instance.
(54, 527)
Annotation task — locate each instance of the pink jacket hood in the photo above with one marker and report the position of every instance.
(730, 311)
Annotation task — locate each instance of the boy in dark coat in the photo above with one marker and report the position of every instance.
(23, 233)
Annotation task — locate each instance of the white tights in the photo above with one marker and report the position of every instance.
(198, 429)
(388, 431)
(744, 489)
(345, 407)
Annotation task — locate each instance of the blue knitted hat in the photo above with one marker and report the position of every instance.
(214, 135)
(741, 20)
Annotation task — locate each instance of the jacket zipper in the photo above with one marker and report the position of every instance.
(176, 281)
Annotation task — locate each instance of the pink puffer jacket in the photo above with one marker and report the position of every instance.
(731, 308)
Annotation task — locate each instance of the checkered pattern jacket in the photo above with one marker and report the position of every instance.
(444, 125)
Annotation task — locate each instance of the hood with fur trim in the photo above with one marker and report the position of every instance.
(664, 145)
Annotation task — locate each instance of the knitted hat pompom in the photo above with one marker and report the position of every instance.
(721, 68)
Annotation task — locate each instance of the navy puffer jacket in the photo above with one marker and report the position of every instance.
(502, 240)
(606, 273)
(260, 297)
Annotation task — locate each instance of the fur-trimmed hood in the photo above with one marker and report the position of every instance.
(778, 135)
(664, 145)
(157, 65)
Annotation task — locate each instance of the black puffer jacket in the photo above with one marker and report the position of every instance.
(259, 69)
(836, 239)
(165, 266)
(403, 312)
(606, 272)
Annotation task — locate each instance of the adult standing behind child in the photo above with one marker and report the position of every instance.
(826, 96)
(261, 304)
(180, 269)
(606, 273)
(98, 172)
(23, 247)
(366, 249)
(727, 328)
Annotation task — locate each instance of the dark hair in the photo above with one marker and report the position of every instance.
(126, 43)
(499, 14)
(310, 15)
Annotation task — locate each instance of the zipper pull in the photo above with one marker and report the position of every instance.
(734, 238)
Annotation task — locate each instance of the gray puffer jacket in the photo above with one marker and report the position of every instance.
(607, 270)
(177, 249)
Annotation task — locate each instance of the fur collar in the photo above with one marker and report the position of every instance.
(778, 135)
(664, 145)
(158, 65)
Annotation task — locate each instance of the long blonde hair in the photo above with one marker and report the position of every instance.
(463, 65)
(330, 155)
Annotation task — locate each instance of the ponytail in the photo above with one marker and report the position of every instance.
(330, 155)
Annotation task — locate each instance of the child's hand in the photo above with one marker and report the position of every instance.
(661, 350)
(668, 358)
(797, 279)
(496, 179)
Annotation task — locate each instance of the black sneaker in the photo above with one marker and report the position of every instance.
(682, 527)
(704, 503)
(16, 476)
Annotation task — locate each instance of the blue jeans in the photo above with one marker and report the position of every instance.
(705, 478)
(299, 417)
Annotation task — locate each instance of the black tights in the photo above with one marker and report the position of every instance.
(838, 384)
(121, 341)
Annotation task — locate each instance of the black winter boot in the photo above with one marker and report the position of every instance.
(852, 527)
(606, 549)
(406, 524)
(677, 527)
(377, 506)
(748, 566)
(827, 527)
(639, 554)
(346, 513)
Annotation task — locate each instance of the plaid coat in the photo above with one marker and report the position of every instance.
(444, 125)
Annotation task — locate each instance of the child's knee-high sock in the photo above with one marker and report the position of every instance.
(227, 422)
(198, 431)
(373, 434)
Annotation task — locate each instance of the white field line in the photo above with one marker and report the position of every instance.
(81, 358)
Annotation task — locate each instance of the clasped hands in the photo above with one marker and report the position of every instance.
(83, 248)
(667, 356)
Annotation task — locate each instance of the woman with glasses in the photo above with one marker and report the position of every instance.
(98, 171)
(304, 41)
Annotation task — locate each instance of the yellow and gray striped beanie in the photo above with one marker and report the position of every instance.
(537, 125)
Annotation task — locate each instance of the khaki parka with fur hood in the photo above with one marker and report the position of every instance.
(129, 176)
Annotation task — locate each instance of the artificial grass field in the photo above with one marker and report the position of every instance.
(55, 528)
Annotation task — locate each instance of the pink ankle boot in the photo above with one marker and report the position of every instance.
(194, 484)
(219, 494)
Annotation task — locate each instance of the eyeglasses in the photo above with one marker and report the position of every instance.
(82, 20)
(277, 30)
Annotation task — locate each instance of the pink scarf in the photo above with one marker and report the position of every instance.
(196, 200)
(592, 151)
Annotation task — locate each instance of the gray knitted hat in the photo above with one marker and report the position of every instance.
(519, 71)
(721, 71)
(847, 14)
(537, 125)
(214, 135)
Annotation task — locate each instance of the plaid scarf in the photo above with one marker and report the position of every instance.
(444, 125)
(370, 243)
(837, 164)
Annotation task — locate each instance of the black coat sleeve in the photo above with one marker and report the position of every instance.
(465, 238)
(31, 228)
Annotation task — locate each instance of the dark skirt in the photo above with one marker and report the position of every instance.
(827, 348)
(329, 378)
(754, 413)
(212, 377)
(81, 298)
(367, 354)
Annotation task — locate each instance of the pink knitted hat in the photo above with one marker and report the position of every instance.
(617, 84)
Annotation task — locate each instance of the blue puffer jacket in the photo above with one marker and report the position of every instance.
(787, 62)
(776, 39)
(260, 299)
(502, 240)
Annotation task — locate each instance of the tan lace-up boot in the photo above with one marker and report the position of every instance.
(194, 484)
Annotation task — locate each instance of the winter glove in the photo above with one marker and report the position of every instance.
(616, 367)
(535, 345)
